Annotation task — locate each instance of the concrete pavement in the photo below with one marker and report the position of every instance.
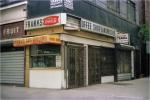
(126, 90)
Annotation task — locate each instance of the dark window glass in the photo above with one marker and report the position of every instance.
(131, 11)
(113, 5)
(124, 62)
(107, 61)
(45, 55)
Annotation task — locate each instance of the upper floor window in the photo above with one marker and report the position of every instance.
(113, 5)
(123, 8)
(131, 11)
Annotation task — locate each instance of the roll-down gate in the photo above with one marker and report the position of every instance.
(12, 67)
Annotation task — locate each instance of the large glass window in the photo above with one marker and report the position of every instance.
(45, 56)
(131, 11)
(124, 8)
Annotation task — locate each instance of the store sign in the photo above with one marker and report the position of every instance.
(122, 38)
(97, 28)
(56, 3)
(44, 39)
(51, 20)
(13, 30)
(45, 21)
(60, 3)
(68, 4)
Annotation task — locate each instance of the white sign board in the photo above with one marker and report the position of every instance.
(97, 28)
(122, 38)
(68, 4)
(45, 21)
(56, 3)
(60, 3)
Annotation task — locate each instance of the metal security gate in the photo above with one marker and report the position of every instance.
(124, 64)
(75, 66)
(94, 71)
(101, 62)
(108, 61)
(12, 67)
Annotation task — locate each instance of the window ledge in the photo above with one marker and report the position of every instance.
(46, 68)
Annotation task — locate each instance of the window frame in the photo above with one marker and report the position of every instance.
(116, 6)
(130, 4)
(42, 55)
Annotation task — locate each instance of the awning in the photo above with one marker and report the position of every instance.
(124, 46)
(44, 39)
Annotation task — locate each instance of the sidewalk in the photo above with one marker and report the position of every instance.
(126, 90)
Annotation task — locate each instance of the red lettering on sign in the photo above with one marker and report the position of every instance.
(51, 20)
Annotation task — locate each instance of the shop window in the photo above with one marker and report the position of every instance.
(124, 62)
(45, 56)
(113, 5)
(131, 11)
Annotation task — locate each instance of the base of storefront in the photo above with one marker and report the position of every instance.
(46, 78)
(107, 79)
(126, 76)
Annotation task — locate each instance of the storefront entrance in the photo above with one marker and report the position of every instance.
(101, 65)
(75, 66)
(124, 64)
(94, 68)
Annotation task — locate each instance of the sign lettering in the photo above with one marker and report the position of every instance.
(12, 30)
(68, 4)
(60, 3)
(36, 40)
(51, 20)
(122, 38)
(45, 21)
(56, 3)
(97, 28)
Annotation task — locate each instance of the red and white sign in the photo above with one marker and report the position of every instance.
(51, 20)
(45, 21)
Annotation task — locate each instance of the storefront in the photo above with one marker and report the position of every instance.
(43, 60)
(63, 51)
(124, 57)
(12, 59)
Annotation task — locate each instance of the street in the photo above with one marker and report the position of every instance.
(126, 90)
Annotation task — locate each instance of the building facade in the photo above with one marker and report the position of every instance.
(76, 43)
(12, 19)
(145, 49)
